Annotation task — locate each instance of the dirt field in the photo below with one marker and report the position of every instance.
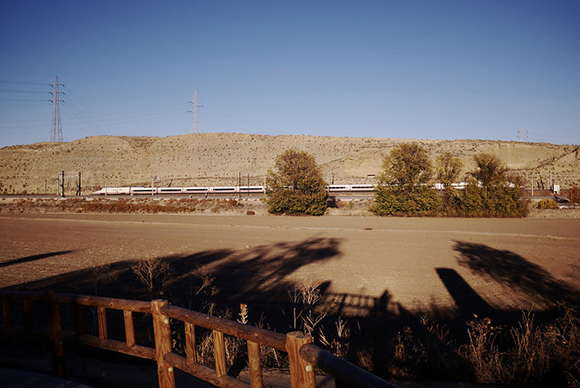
(378, 273)
(421, 264)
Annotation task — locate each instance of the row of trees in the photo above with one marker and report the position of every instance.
(404, 186)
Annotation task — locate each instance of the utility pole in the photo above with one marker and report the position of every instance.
(56, 133)
(193, 126)
(62, 185)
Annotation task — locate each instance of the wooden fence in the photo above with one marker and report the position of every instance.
(303, 355)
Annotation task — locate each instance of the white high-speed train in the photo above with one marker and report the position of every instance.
(216, 190)
(357, 188)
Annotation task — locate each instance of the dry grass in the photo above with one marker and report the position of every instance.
(528, 354)
(143, 205)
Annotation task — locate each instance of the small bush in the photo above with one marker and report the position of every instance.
(501, 200)
(422, 201)
(547, 204)
(575, 195)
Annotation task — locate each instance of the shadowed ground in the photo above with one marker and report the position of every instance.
(380, 274)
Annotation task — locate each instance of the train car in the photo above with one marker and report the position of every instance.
(101, 191)
(362, 188)
(113, 191)
(252, 189)
(143, 190)
(169, 190)
(224, 190)
(196, 190)
(338, 188)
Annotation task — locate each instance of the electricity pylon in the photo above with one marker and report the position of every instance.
(56, 133)
(193, 126)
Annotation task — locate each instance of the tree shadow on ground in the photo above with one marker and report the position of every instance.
(515, 272)
(218, 281)
(255, 275)
(33, 258)
(383, 336)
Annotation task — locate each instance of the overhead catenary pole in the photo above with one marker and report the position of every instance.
(62, 185)
(79, 189)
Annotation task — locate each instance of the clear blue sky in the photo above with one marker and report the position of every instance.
(392, 69)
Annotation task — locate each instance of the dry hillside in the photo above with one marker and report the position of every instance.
(221, 158)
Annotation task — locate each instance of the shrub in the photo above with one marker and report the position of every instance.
(490, 192)
(422, 201)
(448, 170)
(547, 204)
(296, 187)
(575, 195)
(402, 187)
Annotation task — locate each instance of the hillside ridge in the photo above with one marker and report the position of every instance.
(226, 158)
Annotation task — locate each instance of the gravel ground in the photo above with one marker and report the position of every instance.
(510, 263)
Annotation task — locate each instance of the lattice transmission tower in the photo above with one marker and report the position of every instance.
(56, 133)
(193, 126)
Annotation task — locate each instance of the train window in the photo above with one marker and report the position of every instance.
(224, 189)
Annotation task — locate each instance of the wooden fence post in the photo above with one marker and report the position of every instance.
(219, 353)
(301, 371)
(255, 364)
(129, 328)
(162, 330)
(190, 350)
(55, 337)
(102, 322)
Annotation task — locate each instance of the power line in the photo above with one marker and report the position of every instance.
(241, 120)
(22, 100)
(21, 83)
(20, 91)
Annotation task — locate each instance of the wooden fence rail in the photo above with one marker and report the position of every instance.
(303, 355)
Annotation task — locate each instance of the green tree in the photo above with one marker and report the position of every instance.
(448, 170)
(296, 185)
(490, 170)
(491, 192)
(403, 184)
